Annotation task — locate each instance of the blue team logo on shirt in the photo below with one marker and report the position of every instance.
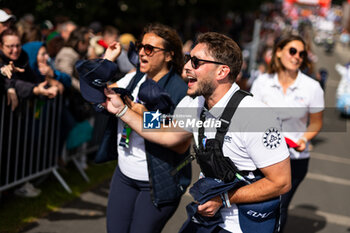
(272, 138)
(151, 120)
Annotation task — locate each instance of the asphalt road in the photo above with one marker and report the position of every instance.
(321, 203)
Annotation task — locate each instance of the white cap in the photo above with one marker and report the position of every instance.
(4, 16)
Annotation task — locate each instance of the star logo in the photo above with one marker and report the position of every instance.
(156, 115)
(151, 120)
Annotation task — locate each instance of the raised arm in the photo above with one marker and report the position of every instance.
(167, 137)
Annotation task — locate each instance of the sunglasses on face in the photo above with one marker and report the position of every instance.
(302, 54)
(149, 49)
(195, 61)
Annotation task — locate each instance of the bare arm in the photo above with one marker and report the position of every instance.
(312, 130)
(168, 137)
(277, 181)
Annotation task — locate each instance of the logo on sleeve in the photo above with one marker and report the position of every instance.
(272, 138)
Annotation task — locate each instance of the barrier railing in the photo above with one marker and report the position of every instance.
(30, 142)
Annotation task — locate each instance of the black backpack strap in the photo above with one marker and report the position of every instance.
(135, 80)
(201, 130)
(228, 113)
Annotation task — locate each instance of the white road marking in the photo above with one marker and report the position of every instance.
(329, 179)
(331, 158)
(316, 214)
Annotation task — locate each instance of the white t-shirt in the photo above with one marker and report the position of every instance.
(245, 143)
(132, 161)
(304, 96)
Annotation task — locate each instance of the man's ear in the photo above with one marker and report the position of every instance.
(223, 72)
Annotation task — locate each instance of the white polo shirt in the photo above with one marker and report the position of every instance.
(304, 96)
(247, 146)
(132, 161)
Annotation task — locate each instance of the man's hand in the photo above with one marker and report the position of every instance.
(136, 107)
(12, 98)
(9, 69)
(114, 104)
(113, 51)
(210, 208)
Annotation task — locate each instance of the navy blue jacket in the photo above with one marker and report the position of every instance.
(161, 161)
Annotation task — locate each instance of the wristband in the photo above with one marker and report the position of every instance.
(122, 112)
(225, 200)
(303, 139)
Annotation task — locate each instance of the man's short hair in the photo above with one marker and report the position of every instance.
(223, 49)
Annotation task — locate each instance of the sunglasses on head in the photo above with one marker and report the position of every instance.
(302, 54)
(149, 49)
(195, 61)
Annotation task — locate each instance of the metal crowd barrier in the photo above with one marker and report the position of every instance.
(30, 142)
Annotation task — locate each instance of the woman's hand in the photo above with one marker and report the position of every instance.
(12, 98)
(113, 51)
(301, 145)
(50, 92)
(8, 70)
(45, 70)
(58, 84)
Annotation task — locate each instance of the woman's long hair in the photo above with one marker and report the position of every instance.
(276, 65)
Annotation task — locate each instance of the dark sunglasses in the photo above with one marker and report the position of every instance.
(147, 48)
(302, 54)
(195, 61)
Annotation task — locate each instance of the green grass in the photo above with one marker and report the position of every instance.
(16, 212)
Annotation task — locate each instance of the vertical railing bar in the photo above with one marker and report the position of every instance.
(17, 149)
(52, 131)
(2, 128)
(39, 137)
(25, 138)
(47, 123)
(60, 106)
(9, 148)
(32, 138)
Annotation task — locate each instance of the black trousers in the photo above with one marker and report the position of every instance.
(299, 168)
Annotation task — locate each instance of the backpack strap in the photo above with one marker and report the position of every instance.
(135, 80)
(228, 113)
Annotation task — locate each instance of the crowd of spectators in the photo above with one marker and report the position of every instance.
(38, 60)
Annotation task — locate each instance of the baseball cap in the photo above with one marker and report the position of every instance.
(259, 215)
(155, 98)
(4, 16)
(93, 76)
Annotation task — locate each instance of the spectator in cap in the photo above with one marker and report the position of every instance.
(6, 20)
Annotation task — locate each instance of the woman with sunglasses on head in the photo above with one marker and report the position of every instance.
(144, 194)
(300, 101)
